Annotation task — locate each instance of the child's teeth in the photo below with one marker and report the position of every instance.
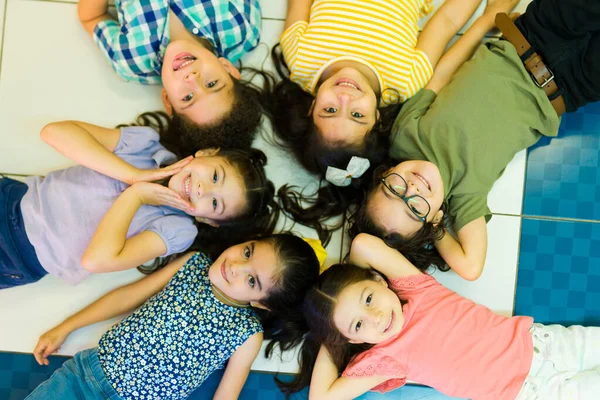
(187, 187)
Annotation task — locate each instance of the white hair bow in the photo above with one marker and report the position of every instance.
(343, 177)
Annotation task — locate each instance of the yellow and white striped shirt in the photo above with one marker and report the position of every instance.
(381, 34)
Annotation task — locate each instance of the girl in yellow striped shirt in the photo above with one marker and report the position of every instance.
(346, 66)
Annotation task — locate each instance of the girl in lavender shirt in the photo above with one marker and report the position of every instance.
(109, 214)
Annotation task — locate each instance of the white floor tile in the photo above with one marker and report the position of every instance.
(51, 70)
(496, 286)
(274, 9)
(30, 310)
(506, 196)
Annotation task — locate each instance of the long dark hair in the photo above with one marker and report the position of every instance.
(319, 305)
(236, 130)
(261, 212)
(284, 323)
(418, 248)
(289, 111)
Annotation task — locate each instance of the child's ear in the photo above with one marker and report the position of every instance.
(166, 102)
(207, 221)
(256, 304)
(380, 279)
(437, 218)
(207, 152)
(230, 68)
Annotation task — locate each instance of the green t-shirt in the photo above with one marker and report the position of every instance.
(488, 112)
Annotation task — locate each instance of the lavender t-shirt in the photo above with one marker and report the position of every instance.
(62, 211)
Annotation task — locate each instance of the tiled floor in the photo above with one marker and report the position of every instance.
(50, 70)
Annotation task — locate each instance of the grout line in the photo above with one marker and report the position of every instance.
(13, 174)
(549, 218)
(5, 12)
(564, 219)
(517, 269)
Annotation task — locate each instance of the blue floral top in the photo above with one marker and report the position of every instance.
(169, 346)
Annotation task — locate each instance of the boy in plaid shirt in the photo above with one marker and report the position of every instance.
(188, 46)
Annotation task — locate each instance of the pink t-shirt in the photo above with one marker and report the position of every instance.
(450, 343)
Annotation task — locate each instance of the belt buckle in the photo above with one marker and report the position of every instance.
(546, 80)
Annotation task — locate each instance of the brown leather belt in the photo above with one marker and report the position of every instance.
(540, 73)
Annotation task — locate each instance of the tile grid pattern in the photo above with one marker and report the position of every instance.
(559, 266)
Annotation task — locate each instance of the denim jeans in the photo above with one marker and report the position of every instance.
(566, 364)
(82, 377)
(567, 35)
(18, 262)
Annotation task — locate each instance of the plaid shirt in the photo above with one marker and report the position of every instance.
(136, 44)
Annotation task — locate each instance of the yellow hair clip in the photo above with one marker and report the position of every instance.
(319, 250)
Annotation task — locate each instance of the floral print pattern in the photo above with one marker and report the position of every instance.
(169, 346)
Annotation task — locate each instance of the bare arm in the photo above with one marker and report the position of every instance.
(92, 146)
(297, 10)
(372, 252)
(114, 303)
(443, 25)
(238, 368)
(91, 12)
(464, 47)
(109, 249)
(327, 384)
(467, 255)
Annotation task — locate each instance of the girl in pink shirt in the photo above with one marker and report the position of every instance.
(387, 323)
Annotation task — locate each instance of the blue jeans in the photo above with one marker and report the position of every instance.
(567, 35)
(81, 377)
(18, 262)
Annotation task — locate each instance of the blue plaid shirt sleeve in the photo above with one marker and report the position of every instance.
(131, 64)
(135, 45)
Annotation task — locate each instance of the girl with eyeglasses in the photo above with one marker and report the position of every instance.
(469, 128)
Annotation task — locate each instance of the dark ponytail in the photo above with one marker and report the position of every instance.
(284, 322)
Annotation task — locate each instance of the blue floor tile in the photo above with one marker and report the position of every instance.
(559, 272)
(563, 174)
(20, 374)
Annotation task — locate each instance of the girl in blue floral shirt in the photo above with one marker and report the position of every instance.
(195, 315)
(188, 46)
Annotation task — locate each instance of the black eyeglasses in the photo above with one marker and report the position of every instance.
(416, 204)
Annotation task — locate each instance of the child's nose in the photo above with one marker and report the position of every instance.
(191, 76)
(412, 189)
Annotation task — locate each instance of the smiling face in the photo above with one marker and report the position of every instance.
(345, 108)
(392, 213)
(246, 272)
(196, 83)
(213, 186)
(368, 312)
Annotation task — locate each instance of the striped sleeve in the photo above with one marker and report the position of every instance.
(421, 72)
(289, 42)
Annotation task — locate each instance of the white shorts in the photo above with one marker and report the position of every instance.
(566, 364)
